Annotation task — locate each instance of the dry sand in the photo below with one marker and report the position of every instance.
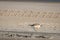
(17, 16)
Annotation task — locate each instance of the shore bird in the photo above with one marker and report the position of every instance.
(36, 26)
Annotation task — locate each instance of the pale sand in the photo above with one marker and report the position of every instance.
(49, 24)
(21, 23)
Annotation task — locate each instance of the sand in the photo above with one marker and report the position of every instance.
(17, 16)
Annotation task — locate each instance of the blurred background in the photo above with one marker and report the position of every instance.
(35, 0)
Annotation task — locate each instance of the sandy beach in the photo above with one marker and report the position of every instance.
(17, 16)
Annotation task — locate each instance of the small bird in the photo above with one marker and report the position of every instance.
(36, 26)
